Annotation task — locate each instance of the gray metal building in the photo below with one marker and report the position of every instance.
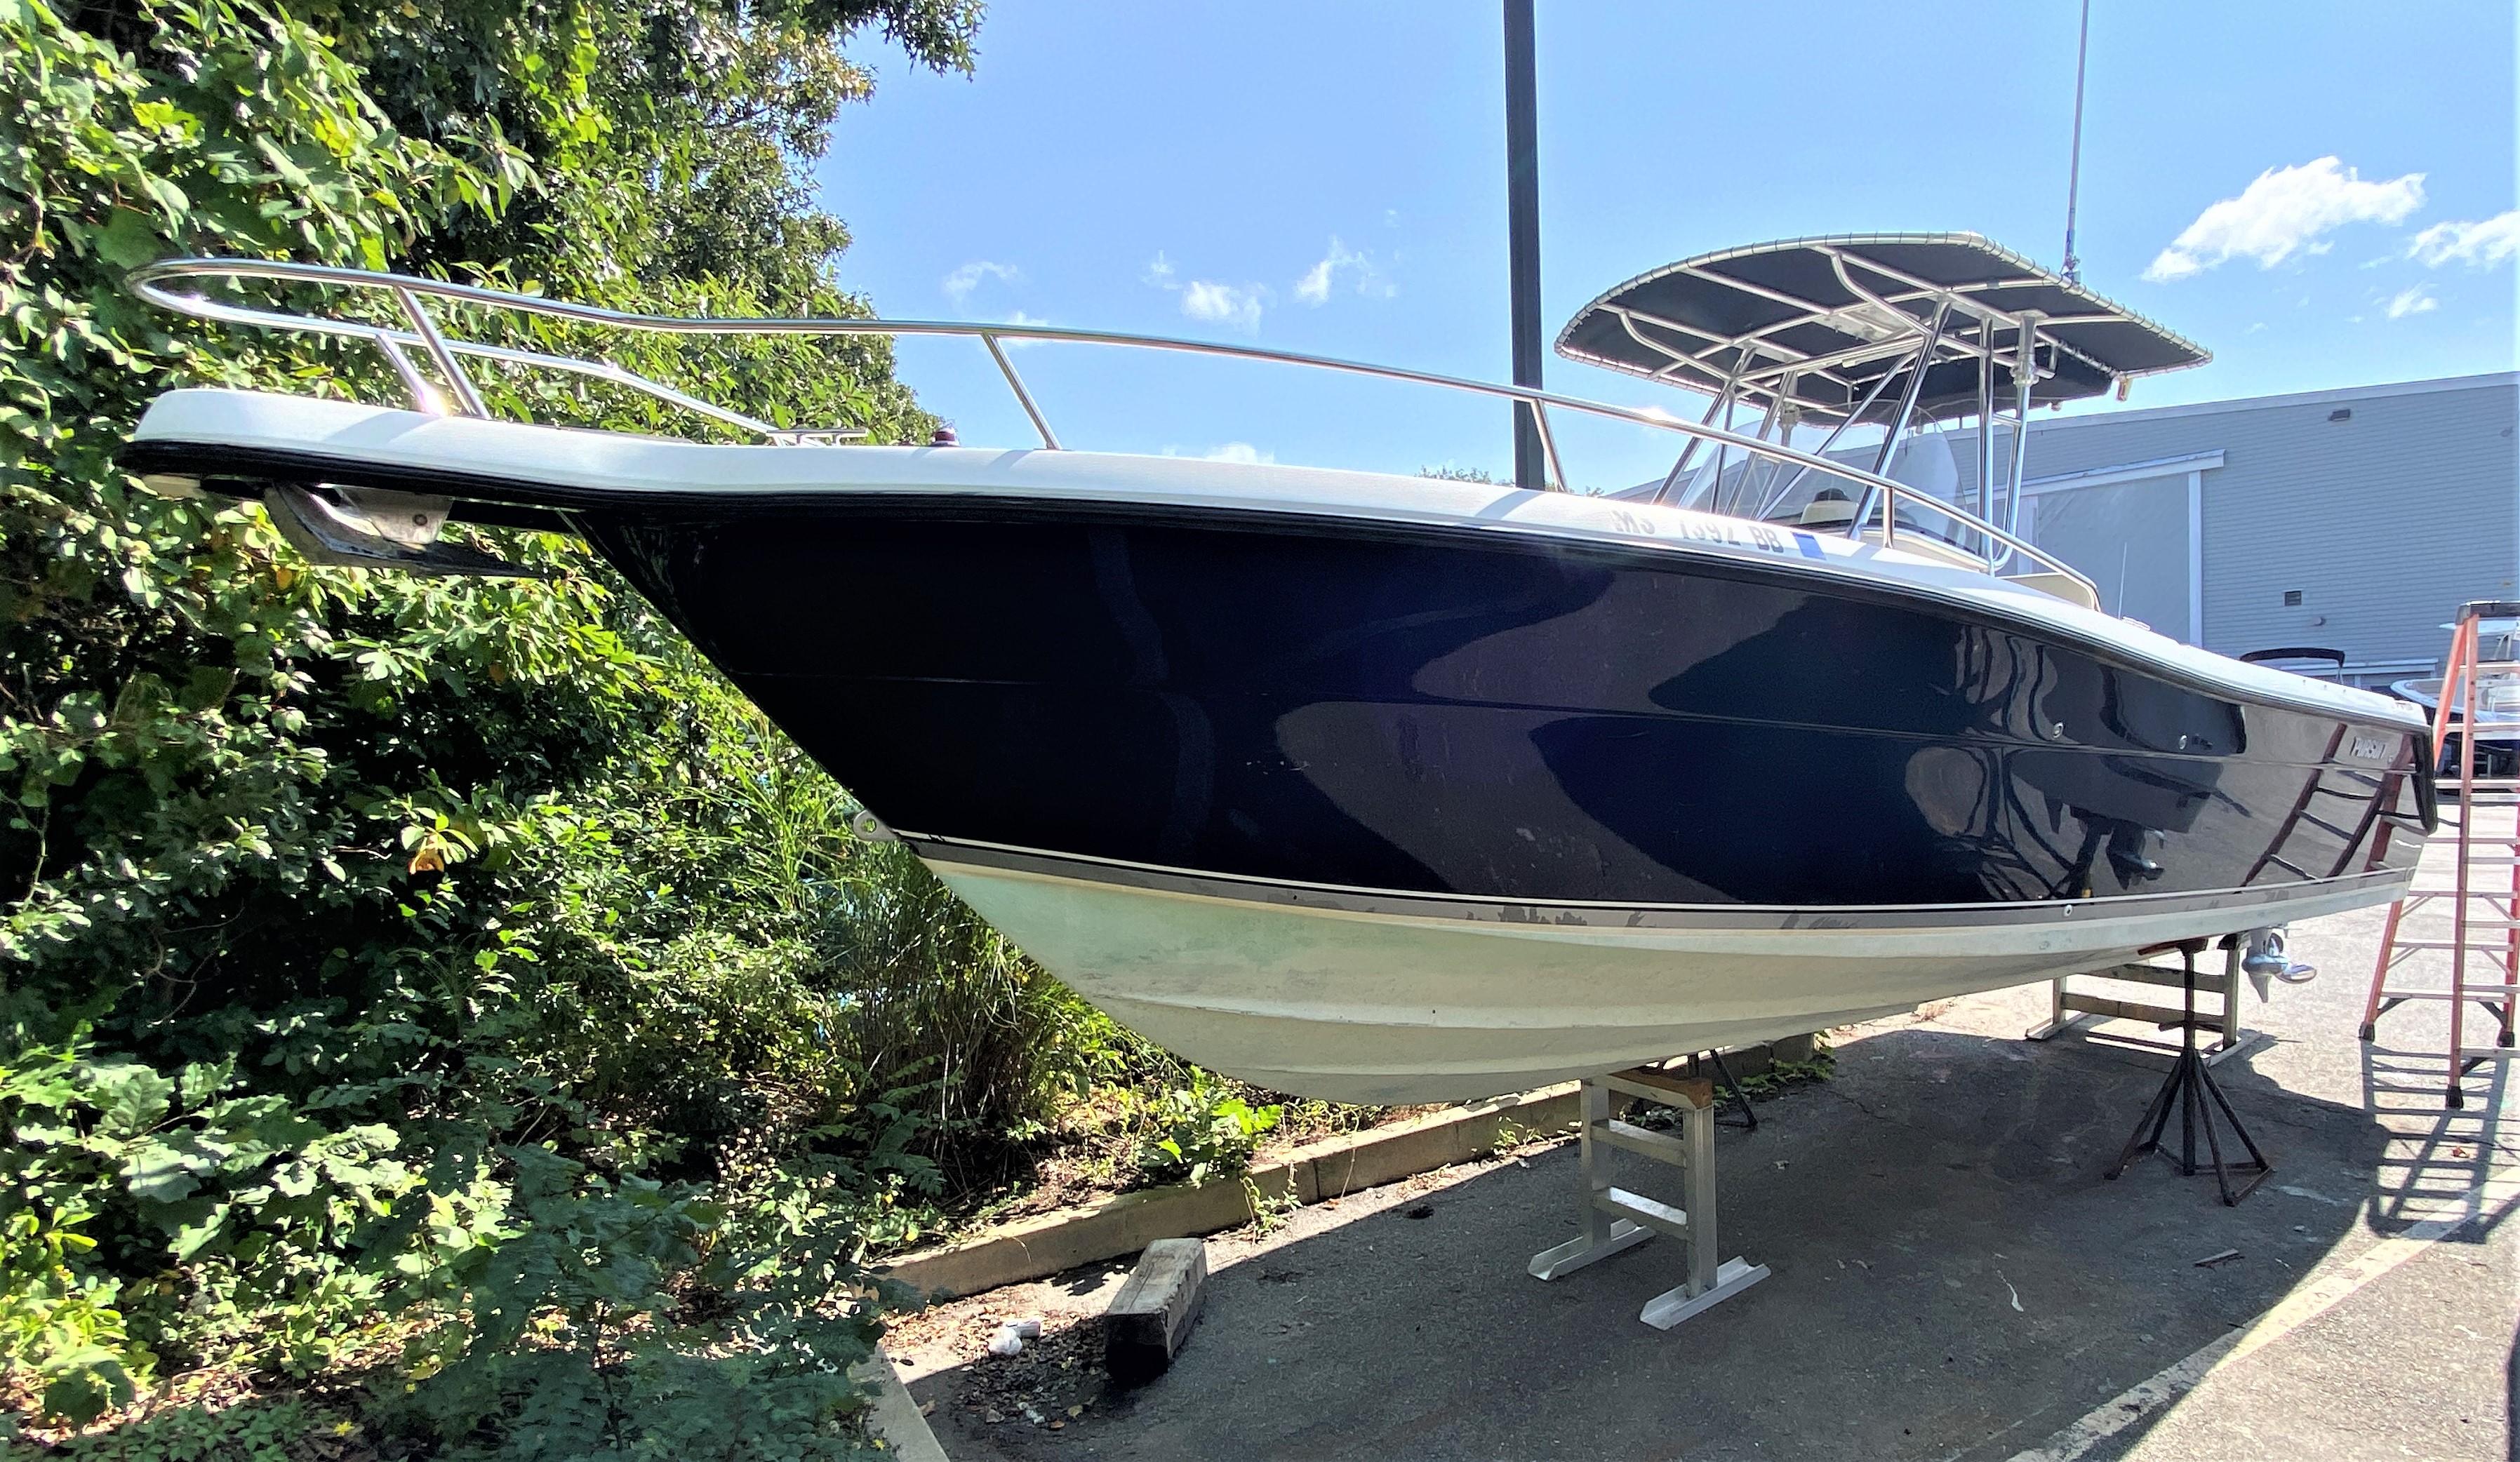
(2356, 520)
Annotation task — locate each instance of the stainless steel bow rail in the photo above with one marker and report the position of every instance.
(446, 354)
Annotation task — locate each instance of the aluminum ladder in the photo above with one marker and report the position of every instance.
(2483, 894)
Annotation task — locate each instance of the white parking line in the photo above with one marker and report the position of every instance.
(2317, 1292)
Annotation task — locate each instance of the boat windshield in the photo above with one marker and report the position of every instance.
(1765, 490)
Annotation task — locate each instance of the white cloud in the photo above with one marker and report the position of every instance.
(1241, 452)
(961, 281)
(2415, 299)
(1207, 299)
(1315, 287)
(2484, 244)
(1233, 304)
(2285, 212)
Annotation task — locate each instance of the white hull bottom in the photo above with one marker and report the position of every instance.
(1393, 1008)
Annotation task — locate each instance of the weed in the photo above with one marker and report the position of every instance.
(1270, 1210)
(1202, 1129)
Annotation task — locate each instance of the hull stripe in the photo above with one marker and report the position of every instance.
(1402, 903)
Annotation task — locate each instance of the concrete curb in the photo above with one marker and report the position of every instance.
(1047, 1244)
(894, 1418)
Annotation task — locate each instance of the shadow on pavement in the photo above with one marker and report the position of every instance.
(2436, 1159)
(1953, 1279)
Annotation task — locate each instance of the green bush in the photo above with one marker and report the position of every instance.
(582, 1344)
(398, 961)
(257, 1202)
(58, 1329)
(254, 1431)
(1203, 1130)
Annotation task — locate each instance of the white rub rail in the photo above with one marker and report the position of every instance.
(151, 283)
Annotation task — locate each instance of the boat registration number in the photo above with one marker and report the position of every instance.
(1696, 527)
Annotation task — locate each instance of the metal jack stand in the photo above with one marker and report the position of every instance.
(1616, 1220)
(2190, 1084)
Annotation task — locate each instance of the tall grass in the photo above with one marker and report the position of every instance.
(906, 987)
(931, 997)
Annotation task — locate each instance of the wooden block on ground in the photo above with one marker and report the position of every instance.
(1149, 1320)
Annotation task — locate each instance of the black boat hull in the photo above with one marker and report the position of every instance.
(1426, 710)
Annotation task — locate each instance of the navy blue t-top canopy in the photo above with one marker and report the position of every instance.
(1822, 320)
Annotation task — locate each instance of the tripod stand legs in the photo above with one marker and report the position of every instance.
(2190, 1086)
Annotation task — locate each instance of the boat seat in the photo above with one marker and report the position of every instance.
(1829, 509)
(2071, 589)
(1927, 546)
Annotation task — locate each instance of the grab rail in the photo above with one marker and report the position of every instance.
(1894, 492)
(149, 281)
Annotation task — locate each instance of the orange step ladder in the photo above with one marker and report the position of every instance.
(2484, 895)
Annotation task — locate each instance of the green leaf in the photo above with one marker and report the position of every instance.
(167, 1169)
(195, 1224)
(129, 240)
(203, 1080)
(170, 197)
(95, 1382)
(130, 1097)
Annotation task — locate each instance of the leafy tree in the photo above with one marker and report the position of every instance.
(336, 897)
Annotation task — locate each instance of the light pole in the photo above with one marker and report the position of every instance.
(1522, 235)
(2074, 176)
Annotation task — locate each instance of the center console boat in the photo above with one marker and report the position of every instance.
(1391, 789)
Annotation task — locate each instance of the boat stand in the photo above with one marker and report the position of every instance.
(1615, 1219)
(2192, 1088)
(1743, 1116)
(2069, 1007)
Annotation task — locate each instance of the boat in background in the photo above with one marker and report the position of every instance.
(1389, 789)
(2317, 662)
(2497, 702)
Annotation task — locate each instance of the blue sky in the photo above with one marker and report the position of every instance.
(1330, 178)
